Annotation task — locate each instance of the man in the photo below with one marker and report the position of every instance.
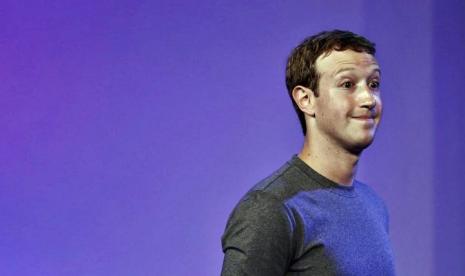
(311, 217)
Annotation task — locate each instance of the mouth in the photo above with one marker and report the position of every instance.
(364, 118)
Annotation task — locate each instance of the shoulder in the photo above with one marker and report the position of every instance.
(281, 184)
(266, 201)
(260, 209)
(258, 237)
(261, 216)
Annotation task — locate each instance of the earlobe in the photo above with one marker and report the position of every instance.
(304, 98)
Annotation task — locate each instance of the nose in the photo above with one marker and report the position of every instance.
(366, 97)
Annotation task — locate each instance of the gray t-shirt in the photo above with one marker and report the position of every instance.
(297, 222)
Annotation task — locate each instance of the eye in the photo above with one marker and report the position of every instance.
(347, 84)
(374, 84)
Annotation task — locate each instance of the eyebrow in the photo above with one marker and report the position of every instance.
(344, 69)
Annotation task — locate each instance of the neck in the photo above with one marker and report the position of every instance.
(330, 161)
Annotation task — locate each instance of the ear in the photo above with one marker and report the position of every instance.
(305, 99)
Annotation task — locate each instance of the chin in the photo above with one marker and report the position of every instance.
(361, 144)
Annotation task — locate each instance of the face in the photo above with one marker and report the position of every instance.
(348, 107)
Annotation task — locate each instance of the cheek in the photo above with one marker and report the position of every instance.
(379, 106)
(340, 101)
(334, 106)
(335, 113)
(344, 106)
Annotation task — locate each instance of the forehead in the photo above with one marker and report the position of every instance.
(335, 60)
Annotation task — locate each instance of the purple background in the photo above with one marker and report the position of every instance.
(130, 129)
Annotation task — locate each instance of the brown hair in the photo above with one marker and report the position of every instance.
(301, 64)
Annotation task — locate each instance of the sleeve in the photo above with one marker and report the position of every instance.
(258, 238)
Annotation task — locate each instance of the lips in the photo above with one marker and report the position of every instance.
(367, 120)
(365, 116)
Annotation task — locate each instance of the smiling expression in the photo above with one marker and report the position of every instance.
(348, 107)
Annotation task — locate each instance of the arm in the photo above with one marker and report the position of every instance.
(258, 238)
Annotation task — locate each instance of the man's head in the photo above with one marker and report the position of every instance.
(333, 80)
(301, 66)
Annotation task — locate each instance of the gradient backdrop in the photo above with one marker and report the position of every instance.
(130, 129)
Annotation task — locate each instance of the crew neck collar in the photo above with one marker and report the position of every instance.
(334, 187)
